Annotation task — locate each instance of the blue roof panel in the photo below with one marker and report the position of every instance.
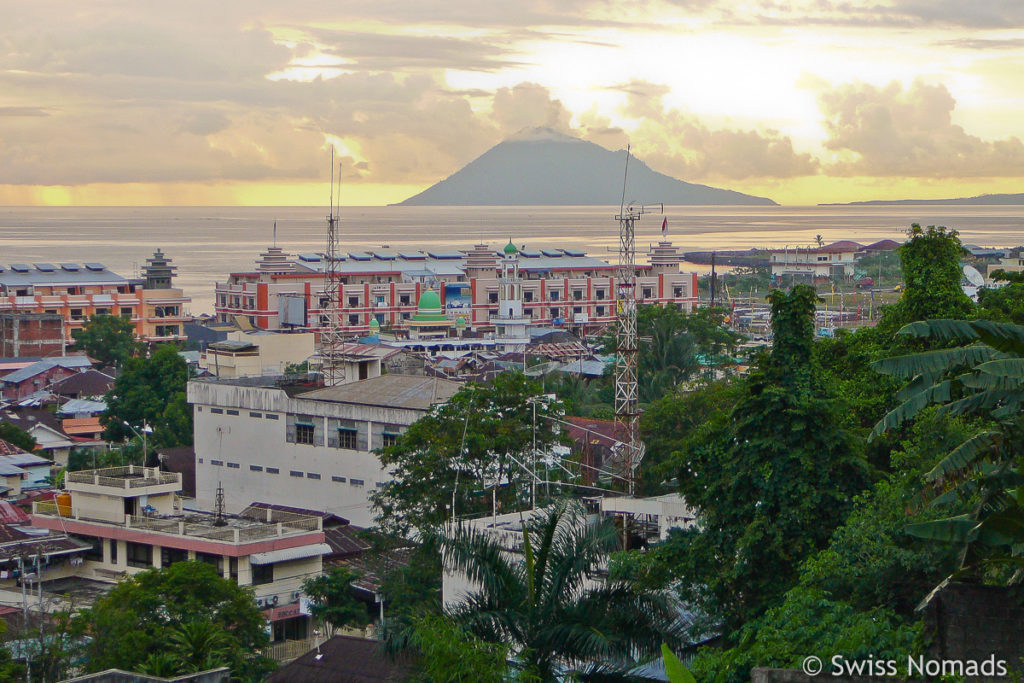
(310, 258)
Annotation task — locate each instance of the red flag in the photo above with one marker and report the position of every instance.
(664, 226)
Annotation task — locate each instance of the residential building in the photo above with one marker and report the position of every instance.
(1010, 264)
(831, 260)
(31, 334)
(252, 354)
(132, 519)
(270, 439)
(75, 292)
(562, 287)
(37, 471)
(40, 375)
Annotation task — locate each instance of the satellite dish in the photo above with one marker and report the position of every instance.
(972, 275)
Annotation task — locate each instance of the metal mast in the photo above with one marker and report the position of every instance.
(330, 334)
(627, 412)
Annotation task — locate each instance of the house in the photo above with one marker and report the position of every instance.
(830, 260)
(31, 334)
(254, 353)
(593, 444)
(40, 375)
(344, 659)
(11, 479)
(131, 519)
(37, 470)
(87, 384)
(280, 440)
(45, 428)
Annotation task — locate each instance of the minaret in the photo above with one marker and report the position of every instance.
(664, 259)
(275, 260)
(481, 263)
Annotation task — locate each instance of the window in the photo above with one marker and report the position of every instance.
(353, 320)
(217, 411)
(600, 310)
(199, 409)
(273, 470)
(262, 574)
(577, 309)
(167, 330)
(577, 294)
(113, 551)
(255, 468)
(233, 568)
(312, 475)
(353, 301)
(348, 438)
(233, 465)
(232, 412)
(388, 439)
(527, 296)
(528, 312)
(600, 294)
(492, 298)
(217, 463)
(294, 473)
(102, 311)
(304, 433)
(554, 312)
(340, 480)
(95, 551)
(139, 554)
(126, 312)
(356, 482)
(252, 414)
(200, 460)
(76, 313)
(270, 417)
(648, 292)
(554, 295)
(169, 556)
(678, 291)
(403, 299)
(216, 560)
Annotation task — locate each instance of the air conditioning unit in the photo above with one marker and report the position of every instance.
(259, 602)
(296, 595)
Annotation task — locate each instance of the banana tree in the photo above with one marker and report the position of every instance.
(983, 375)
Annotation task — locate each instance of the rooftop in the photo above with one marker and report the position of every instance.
(392, 391)
(23, 274)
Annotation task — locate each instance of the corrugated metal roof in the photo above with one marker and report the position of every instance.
(285, 554)
(415, 392)
(81, 405)
(28, 372)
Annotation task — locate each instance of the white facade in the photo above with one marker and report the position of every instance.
(310, 450)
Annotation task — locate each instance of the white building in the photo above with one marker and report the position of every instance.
(292, 444)
(831, 260)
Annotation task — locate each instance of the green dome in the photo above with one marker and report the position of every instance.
(429, 301)
(374, 324)
(429, 310)
(510, 248)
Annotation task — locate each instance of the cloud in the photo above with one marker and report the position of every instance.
(528, 105)
(678, 143)
(892, 131)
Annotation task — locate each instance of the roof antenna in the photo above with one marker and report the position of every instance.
(275, 234)
(219, 507)
(625, 173)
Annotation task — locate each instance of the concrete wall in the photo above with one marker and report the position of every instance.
(240, 452)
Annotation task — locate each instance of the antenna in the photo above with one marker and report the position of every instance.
(219, 507)
(275, 234)
(330, 323)
(627, 411)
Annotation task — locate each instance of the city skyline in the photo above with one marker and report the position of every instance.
(239, 102)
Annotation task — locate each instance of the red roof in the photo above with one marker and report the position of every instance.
(839, 247)
(8, 448)
(12, 514)
(882, 245)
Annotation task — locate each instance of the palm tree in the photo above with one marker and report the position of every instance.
(550, 605)
(983, 376)
(200, 645)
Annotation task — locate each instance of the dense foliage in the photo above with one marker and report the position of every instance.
(108, 339)
(333, 600)
(206, 619)
(482, 439)
(151, 391)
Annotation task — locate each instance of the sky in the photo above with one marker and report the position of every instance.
(226, 102)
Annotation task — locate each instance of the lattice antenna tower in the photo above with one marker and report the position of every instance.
(627, 410)
(330, 334)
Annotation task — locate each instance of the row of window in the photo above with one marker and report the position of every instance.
(293, 473)
(140, 555)
(231, 411)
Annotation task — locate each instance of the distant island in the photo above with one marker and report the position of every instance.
(540, 166)
(980, 200)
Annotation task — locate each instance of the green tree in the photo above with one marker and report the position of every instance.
(450, 654)
(540, 604)
(478, 440)
(109, 339)
(982, 376)
(333, 600)
(770, 480)
(151, 391)
(146, 612)
(17, 437)
(1006, 303)
(930, 260)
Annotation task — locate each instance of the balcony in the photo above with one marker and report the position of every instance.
(124, 478)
